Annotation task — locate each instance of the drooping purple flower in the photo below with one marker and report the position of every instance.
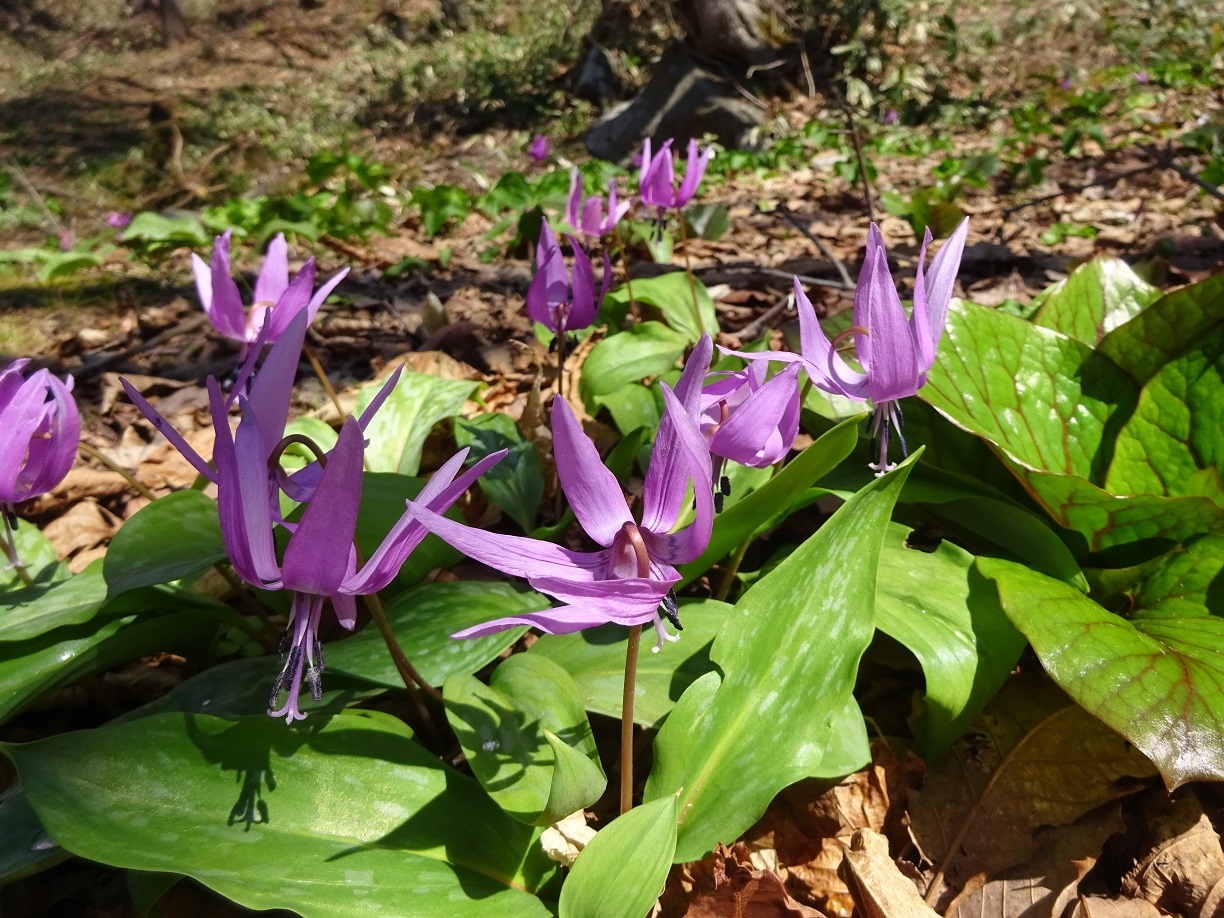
(657, 179)
(750, 419)
(895, 351)
(586, 215)
(1142, 76)
(275, 293)
(118, 219)
(538, 150)
(39, 432)
(558, 299)
(320, 561)
(890, 116)
(633, 573)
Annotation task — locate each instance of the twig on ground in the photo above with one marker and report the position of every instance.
(761, 322)
(1074, 189)
(1166, 159)
(11, 165)
(858, 153)
(824, 249)
(188, 325)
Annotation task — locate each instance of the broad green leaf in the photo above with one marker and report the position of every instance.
(1173, 325)
(948, 615)
(515, 484)
(34, 667)
(349, 817)
(25, 846)
(146, 888)
(62, 263)
(1093, 300)
(631, 406)
(383, 497)
(37, 554)
(527, 739)
(174, 537)
(621, 871)
(1155, 676)
(646, 349)
(423, 619)
(32, 611)
(417, 403)
(709, 221)
(673, 296)
(595, 658)
(770, 503)
(771, 720)
(1173, 445)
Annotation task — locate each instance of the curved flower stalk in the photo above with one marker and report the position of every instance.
(633, 573)
(750, 419)
(275, 293)
(657, 178)
(320, 561)
(586, 215)
(896, 351)
(558, 299)
(41, 431)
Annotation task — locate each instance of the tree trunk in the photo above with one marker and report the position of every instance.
(174, 26)
(726, 30)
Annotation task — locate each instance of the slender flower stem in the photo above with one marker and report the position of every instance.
(115, 467)
(688, 269)
(406, 670)
(560, 339)
(626, 775)
(327, 386)
(10, 549)
(620, 245)
(724, 586)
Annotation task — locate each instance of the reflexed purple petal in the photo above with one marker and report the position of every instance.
(550, 285)
(661, 499)
(54, 448)
(381, 396)
(274, 275)
(688, 386)
(273, 386)
(573, 203)
(582, 296)
(825, 366)
(941, 279)
(628, 601)
(920, 321)
(593, 491)
(592, 216)
(21, 418)
(166, 429)
(293, 299)
(763, 426)
(616, 210)
(562, 620)
(605, 281)
(862, 290)
(893, 370)
(442, 490)
(316, 560)
(203, 281)
(225, 310)
(312, 308)
(515, 555)
(692, 462)
(346, 610)
(244, 494)
(694, 169)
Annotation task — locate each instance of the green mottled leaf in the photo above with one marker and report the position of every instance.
(397, 433)
(1157, 677)
(527, 739)
(595, 658)
(938, 606)
(672, 295)
(423, 619)
(32, 611)
(383, 497)
(31, 668)
(174, 537)
(1093, 300)
(771, 720)
(347, 817)
(515, 484)
(771, 503)
(621, 871)
(631, 407)
(646, 349)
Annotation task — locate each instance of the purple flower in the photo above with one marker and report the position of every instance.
(41, 430)
(586, 215)
(633, 573)
(749, 419)
(1142, 76)
(320, 561)
(118, 219)
(274, 292)
(556, 299)
(656, 181)
(890, 116)
(1065, 83)
(538, 150)
(895, 351)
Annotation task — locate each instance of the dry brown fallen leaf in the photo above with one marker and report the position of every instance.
(1031, 759)
(1092, 907)
(85, 526)
(723, 885)
(1184, 867)
(880, 889)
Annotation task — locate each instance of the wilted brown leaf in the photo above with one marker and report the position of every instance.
(1030, 760)
(1182, 870)
(84, 526)
(1092, 907)
(880, 889)
(725, 886)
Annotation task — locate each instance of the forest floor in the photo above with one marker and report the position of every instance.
(102, 119)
